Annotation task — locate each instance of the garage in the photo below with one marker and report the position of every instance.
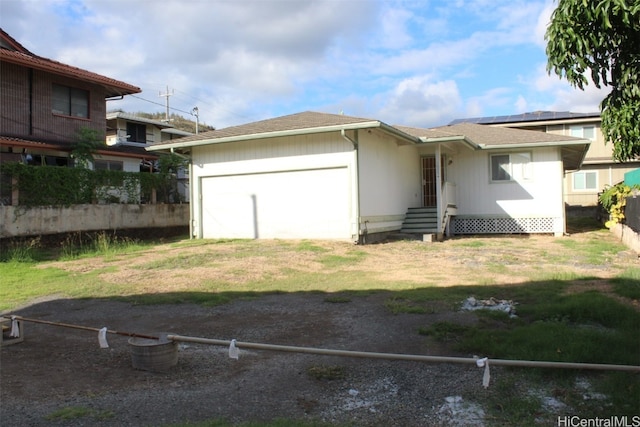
(310, 203)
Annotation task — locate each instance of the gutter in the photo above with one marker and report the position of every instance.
(534, 144)
(289, 132)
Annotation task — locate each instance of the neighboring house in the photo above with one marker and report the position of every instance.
(44, 105)
(127, 131)
(325, 176)
(598, 170)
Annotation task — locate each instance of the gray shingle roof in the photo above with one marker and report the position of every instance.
(304, 120)
(475, 135)
(492, 136)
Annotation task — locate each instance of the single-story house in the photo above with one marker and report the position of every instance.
(326, 176)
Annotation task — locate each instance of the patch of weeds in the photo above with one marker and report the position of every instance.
(21, 251)
(582, 224)
(180, 261)
(552, 341)
(628, 284)
(77, 245)
(589, 307)
(278, 422)
(445, 331)
(337, 299)
(307, 246)
(622, 390)
(207, 299)
(595, 251)
(499, 268)
(399, 305)
(326, 372)
(507, 406)
(475, 243)
(495, 316)
(75, 412)
(335, 261)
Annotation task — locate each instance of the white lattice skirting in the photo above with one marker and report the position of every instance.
(504, 225)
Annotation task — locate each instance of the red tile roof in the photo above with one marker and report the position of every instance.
(22, 56)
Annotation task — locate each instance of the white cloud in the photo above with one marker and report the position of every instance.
(477, 106)
(549, 92)
(421, 101)
(543, 21)
(400, 61)
(394, 28)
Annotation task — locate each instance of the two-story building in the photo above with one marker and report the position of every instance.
(46, 103)
(129, 132)
(598, 170)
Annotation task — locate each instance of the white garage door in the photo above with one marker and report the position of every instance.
(312, 204)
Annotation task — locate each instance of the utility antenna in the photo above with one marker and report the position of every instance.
(167, 94)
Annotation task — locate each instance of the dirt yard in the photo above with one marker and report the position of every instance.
(57, 368)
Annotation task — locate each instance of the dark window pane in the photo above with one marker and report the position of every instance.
(500, 168)
(60, 100)
(137, 132)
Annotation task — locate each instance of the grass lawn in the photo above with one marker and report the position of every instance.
(578, 296)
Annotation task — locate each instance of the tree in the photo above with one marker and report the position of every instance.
(603, 37)
(87, 142)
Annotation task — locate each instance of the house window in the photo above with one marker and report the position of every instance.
(69, 101)
(111, 165)
(586, 132)
(136, 132)
(510, 166)
(585, 180)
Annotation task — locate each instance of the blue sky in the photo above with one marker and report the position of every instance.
(419, 63)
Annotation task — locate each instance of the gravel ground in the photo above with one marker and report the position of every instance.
(57, 368)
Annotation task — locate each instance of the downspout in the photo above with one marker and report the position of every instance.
(190, 193)
(30, 101)
(439, 202)
(354, 142)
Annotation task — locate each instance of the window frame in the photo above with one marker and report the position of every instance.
(138, 128)
(68, 101)
(581, 129)
(525, 172)
(107, 165)
(584, 173)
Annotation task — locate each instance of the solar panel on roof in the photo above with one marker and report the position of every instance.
(525, 117)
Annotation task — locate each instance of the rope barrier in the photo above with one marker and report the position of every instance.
(233, 344)
(412, 357)
(85, 328)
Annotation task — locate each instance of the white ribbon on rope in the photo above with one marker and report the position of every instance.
(233, 350)
(484, 363)
(102, 338)
(15, 328)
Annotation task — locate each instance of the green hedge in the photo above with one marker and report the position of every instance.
(62, 186)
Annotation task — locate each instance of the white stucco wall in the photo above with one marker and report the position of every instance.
(477, 195)
(389, 181)
(268, 169)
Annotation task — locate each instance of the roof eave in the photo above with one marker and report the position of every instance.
(534, 144)
(114, 87)
(290, 132)
(454, 138)
(550, 122)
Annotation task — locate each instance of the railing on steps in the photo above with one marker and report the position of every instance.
(448, 206)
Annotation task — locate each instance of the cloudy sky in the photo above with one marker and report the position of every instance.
(415, 62)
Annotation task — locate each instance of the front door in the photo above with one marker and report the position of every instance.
(429, 180)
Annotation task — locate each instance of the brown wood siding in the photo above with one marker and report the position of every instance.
(45, 125)
(14, 100)
(57, 128)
